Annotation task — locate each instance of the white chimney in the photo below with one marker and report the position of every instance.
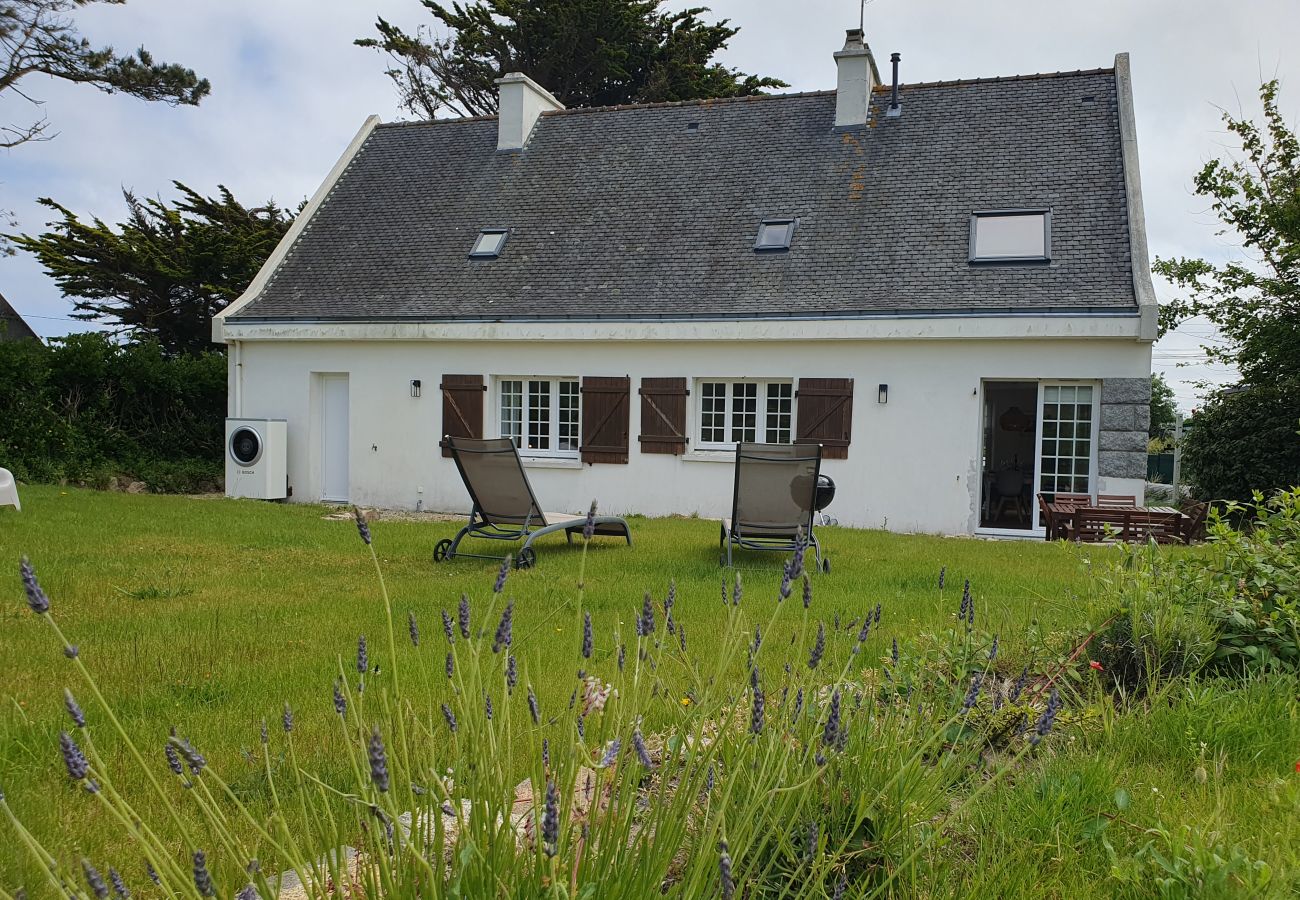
(522, 102)
(857, 76)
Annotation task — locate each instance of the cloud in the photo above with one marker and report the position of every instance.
(290, 90)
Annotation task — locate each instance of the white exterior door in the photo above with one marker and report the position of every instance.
(334, 438)
(1067, 447)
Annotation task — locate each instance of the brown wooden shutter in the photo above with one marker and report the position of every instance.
(605, 419)
(826, 414)
(663, 415)
(462, 407)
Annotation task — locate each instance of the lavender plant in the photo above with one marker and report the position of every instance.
(435, 806)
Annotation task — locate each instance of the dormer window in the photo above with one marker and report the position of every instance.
(489, 243)
(774, 234)
(1011, 236)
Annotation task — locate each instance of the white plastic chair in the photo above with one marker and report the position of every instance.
(9, 490)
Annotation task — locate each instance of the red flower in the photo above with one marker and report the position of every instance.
(1096, 666)
(1297, 765)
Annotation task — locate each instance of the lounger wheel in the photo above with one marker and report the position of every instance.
(441, 550)
(526, 559)
(826, 565)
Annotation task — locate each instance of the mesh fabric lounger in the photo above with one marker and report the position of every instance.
(774, 498)
(505, 508)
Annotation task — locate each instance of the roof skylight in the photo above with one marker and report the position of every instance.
(489, 243)
(1018, 235)
(774, 234)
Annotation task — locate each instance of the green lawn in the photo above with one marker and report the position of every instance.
(210, 614)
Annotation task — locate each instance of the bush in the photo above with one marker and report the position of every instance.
(1252, 586)
(86, 408)
(1246, 441)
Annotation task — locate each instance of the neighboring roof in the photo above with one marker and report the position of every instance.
(627, 212)
(12, 326)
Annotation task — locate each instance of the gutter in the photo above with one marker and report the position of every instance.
(1049, 313)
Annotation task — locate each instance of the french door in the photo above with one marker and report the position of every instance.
(1067, 444)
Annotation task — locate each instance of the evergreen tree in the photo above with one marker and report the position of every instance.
(585, 52)
(38, 37)
(165, 271)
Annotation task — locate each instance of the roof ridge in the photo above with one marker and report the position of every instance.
(994, 79)
(751, 98)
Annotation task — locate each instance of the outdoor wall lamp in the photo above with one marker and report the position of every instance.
(882, 394)
(415, 387)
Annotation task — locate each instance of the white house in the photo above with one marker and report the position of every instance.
(946, 286)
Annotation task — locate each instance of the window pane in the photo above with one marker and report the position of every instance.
(713, 415)
(539, 415)
(1010, 237)
(512, 410)
(779, 405)
(774, 234)
(489, 243)
(568, 439)
(744, 412)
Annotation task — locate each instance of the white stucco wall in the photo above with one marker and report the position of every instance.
(913, 463)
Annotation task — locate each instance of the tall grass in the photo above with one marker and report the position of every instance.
(813, 774)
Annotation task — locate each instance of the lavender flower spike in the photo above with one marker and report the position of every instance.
(638, 744)
(756, 713)
(1019, 685)
(94, 879)
(73, 758)
(504, 628)
(119, 886)
(993, 650)
(647, 621)
(36, 598)
(589, 527)
(807, 591)
(363, 527)
(611, 754)
(202, 880)
(973, 693)
(737, 592)
(287, 719)
(248, 892)
(512, 673)
(70, 702)
(551, 820)
(831, 733)
(450, 717)
(500, 584)
(340, 702)
(462, 614)
(533, 709)
(363, 656)
(943, 571)
(378, 761)
(588, 639)
(724, 872)
(819, 647)
(1048, 719)
(448, 628)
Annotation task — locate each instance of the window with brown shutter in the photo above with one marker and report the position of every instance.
(825, 414)
(663, 415)
(462, 407)
(605, 419)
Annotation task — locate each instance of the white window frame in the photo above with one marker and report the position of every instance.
(552, 394)
(1044, 213)
(763, 387)
(1092, 439)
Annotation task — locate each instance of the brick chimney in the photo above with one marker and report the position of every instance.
(857, 76)
(522, 102)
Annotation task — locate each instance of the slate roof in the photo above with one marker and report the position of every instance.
(632, 213)
(12, 325)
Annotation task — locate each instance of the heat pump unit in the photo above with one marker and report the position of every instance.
(257, 458)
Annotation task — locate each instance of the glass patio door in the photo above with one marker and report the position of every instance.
(1067, 448)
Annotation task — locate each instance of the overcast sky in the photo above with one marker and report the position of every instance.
(290, 90)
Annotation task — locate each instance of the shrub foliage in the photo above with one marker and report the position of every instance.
(86, 408)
